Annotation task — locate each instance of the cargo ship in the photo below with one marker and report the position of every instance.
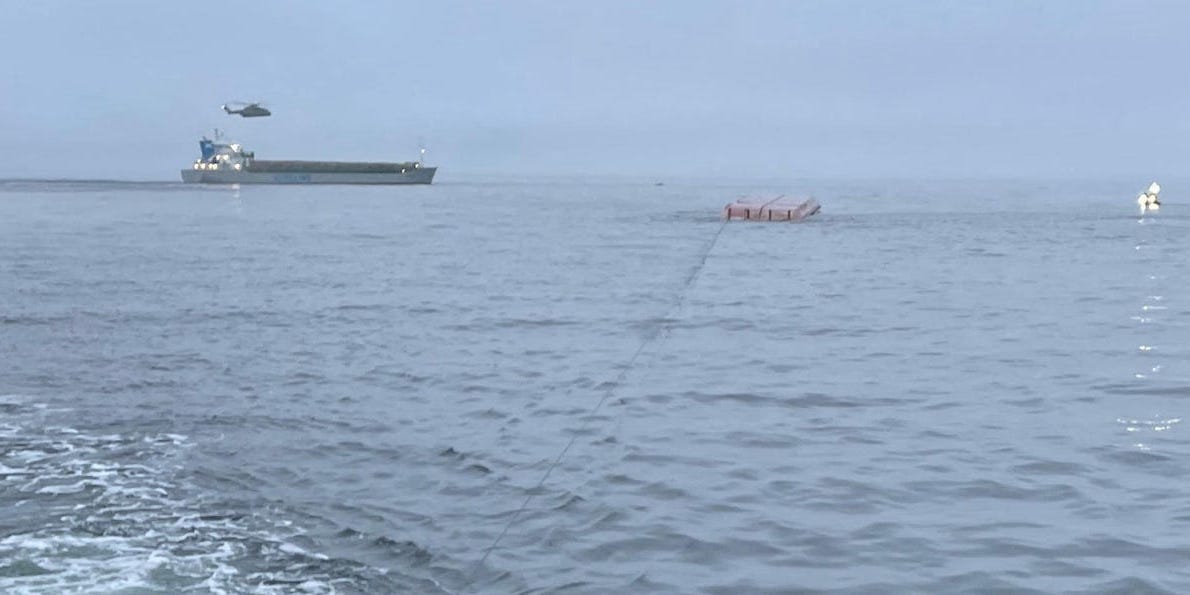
(228, 163)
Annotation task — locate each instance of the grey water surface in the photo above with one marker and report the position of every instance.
(576, 386)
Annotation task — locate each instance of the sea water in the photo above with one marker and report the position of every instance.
(590, 386)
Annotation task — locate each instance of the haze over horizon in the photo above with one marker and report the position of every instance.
(742, 89)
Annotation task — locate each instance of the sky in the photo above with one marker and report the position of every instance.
(739, 89)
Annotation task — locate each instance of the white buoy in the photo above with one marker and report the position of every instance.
(1149, 200)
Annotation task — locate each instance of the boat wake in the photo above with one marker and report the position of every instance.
(88, 512)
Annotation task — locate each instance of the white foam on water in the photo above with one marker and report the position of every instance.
(106, 564)
(105, 513)
(72, 488)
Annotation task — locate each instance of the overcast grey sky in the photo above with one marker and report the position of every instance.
(741, 89)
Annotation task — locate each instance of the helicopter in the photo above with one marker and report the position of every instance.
(247, 110)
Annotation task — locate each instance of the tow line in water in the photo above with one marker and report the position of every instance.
(658, 329)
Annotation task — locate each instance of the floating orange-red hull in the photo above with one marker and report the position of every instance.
(771, 209)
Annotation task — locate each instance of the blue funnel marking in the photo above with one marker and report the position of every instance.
(207, 147)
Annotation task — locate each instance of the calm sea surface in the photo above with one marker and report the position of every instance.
(552, 386)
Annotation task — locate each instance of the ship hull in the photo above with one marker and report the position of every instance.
(421, 175)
